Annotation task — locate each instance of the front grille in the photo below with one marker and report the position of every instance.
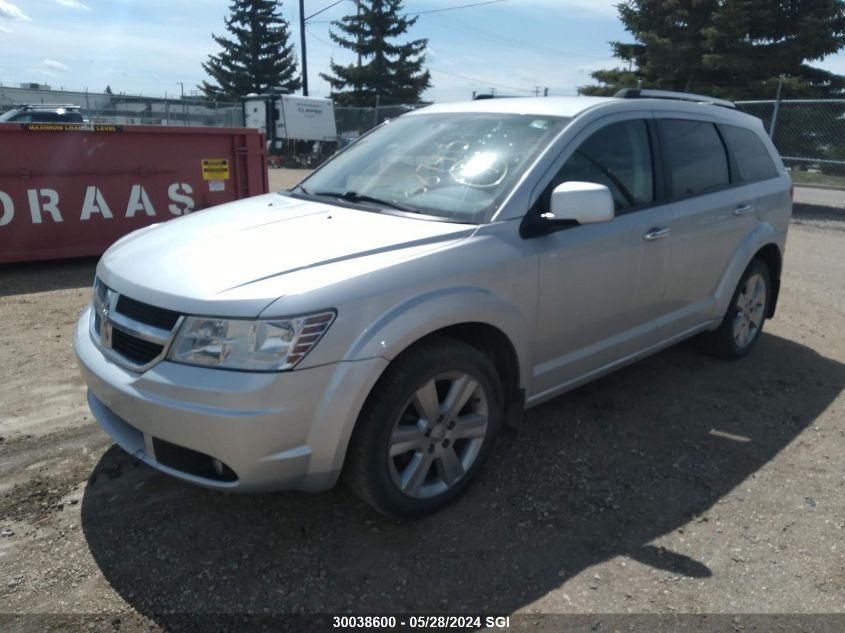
(135, 349)
(135, 335)
(147, 314)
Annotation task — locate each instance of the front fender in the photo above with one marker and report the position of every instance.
(403, 325)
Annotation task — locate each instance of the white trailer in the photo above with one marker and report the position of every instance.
(305, 119)
(291, 118)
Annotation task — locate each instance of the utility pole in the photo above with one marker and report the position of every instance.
(304, 54)
(184, 109)
(774, 123)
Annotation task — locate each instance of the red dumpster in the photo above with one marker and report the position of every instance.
(71, 190)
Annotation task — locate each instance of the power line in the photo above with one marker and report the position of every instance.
(460, 6)
(320, 39)
(481, 81)
(413, 13)
(437, 70)
(324, 9)
(514, 42)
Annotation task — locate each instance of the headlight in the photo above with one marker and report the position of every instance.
(272, 345)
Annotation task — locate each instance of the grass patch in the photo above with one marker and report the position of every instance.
(814, 178)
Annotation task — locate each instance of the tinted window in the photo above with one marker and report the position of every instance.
(753, 159)
(695, 156)
(617, 156)
(45, 117)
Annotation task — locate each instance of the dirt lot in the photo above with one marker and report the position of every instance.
(682, 484)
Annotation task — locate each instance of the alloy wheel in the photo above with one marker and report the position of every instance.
(438, 435)
(749, 310)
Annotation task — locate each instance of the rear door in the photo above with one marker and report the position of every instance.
(711, 218)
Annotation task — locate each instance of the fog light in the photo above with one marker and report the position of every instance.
(217, 465)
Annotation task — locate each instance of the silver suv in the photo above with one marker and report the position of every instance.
(459, 264)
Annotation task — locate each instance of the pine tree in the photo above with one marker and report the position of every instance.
(389, 72)
(258, 58)
(736, 49)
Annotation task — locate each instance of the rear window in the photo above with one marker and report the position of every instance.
(696, 156)
(753, 159)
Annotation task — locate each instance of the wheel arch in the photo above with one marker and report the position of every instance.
(498, 347)
(771, 256)
(764, 243)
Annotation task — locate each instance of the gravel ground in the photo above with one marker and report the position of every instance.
(682, 484)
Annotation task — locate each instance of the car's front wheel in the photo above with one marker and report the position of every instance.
(426, 429)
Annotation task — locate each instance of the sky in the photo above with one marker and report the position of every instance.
(156, 47)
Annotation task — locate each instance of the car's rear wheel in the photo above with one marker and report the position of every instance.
(426, 429)
(743, 323)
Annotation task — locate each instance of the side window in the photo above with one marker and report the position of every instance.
(753, 159)
(695, 155)
(617, 156)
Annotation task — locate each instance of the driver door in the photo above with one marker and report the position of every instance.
(601, 285)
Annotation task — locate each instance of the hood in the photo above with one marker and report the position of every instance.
(203, 263)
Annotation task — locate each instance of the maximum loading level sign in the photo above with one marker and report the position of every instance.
(215, 169)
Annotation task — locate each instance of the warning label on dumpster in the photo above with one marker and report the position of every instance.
(70, 127)
(215, 169)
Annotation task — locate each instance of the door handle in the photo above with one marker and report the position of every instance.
(656, 234)
(743, 209)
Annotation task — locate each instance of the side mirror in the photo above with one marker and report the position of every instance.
(582, 202)
(572, 203)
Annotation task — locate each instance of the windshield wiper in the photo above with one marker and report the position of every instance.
(352, 196)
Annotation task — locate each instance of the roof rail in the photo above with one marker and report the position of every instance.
(637, 93)
(48, 106)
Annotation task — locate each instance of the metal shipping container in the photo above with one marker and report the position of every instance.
(71, 190)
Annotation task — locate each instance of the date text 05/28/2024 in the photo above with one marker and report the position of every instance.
(435, 622)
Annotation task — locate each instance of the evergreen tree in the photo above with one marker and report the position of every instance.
(258, 58)
(729, 48)
(389, 71)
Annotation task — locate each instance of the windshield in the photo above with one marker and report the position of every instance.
(8, 115)
(457, 166)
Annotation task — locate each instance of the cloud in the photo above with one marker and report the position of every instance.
(73, 4)
(3, 29)
(53, 66)
(12, 11)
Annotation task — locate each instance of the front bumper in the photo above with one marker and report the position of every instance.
(272, 431)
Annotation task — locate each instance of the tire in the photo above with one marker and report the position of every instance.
(412, 452)
(743, 323)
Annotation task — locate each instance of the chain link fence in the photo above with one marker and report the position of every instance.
(352, 122)
(140, 111)
(809, 134)
(129, 109)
